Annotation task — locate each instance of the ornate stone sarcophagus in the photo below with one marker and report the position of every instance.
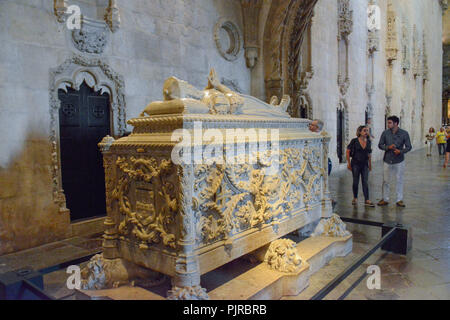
(206, 177)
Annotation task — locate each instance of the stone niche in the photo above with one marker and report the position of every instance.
(174, 212)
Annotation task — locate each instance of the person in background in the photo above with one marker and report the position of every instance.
(360, 150)
(429, 140)
(396, 143)
(316, 125)
(441, 141)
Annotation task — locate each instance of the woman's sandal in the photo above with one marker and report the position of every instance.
(369, 204)
(354, 202)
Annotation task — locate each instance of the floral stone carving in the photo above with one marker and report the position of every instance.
(186, 218)
(283, 256)
(92, 37)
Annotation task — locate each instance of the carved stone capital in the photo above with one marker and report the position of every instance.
(251, 56)
(282, 256)
(92, 37)
(250, 16)
(344, 84)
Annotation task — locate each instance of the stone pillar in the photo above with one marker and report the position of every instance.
(110, 236)
(326, 199)
(186, 282)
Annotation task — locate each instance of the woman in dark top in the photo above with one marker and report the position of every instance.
(359, 150)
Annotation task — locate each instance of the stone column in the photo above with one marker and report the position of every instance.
(326, 199)
(110, 236)
(186, 282)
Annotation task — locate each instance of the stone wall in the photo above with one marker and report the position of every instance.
(161, 38)
(156, 39)
(406, 89)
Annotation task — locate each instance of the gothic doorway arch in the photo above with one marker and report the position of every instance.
(284, 33)
(68, 77)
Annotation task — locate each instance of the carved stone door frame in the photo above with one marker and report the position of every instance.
(98, 75)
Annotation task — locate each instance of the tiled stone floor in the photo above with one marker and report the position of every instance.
(423, 274)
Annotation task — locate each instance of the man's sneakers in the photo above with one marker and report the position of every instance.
(401, 204)
(385, 203)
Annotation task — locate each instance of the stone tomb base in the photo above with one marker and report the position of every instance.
(247, 277)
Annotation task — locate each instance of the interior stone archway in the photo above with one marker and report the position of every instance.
(97, 74)
(283, 35)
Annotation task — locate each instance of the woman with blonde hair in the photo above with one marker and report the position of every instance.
(360, 150)
(430, 140)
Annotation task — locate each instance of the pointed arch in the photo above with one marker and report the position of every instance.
(98, 75)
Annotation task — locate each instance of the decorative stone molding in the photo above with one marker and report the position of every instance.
(101, 273)
(235, 39)
(391, 39)
(345, 26)
(345, 19)
(92, 37)
(112, 16)
(425, 71)
(373, 35)
(344, 84)
(98, 75)
(283, 33)
(331, 227)
(406, 64)
(444, 5)
(417, 51)
(250, 15)
(387, 109)
(282, 256)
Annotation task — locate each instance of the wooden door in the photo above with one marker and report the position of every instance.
(84, 119)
